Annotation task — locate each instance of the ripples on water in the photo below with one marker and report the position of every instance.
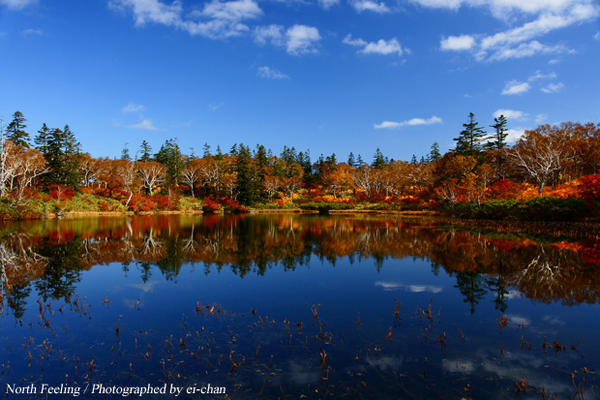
(292, 306)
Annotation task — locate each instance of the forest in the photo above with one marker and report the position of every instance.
(551, 173)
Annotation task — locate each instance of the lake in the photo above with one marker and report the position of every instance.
(298, 306)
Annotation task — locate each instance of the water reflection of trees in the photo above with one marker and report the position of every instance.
(52, 257)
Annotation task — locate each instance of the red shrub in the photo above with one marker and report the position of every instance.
(589, 188)
(60, 192)
(103, 206)
(162, 202)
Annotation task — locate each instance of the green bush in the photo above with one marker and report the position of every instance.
(538, 209)
(190, 203)
(324, 207)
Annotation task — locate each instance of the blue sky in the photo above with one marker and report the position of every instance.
(325, 75)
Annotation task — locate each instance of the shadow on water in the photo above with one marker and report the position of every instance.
(290, 306)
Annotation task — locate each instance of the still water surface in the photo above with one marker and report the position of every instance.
(291, 306)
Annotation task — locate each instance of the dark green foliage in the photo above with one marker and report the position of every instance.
(468, 143)
(170, 156)
(16, 130)
(146, 151)
(41, 140)
(247, 184)
(538, 209)
(325, 207)
(498, 142)
(359, 161)
(434, 154)
(378, 159)
(125, 153)
(351, 160)
(206, 152)
(61, 150)
(499, 139)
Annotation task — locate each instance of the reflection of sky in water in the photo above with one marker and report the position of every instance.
(427, 358)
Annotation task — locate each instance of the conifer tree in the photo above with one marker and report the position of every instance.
(246, 177)
(61, 150)
(351, 160)
(146, 151)
(125, 153)
(498, 142)
(41, 139)
(206, 152)
(378, 159)
(469, 141)
(170, 156)
(434, 154)
(359, 161)
(16, 130)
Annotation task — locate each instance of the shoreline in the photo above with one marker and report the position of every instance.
(93, 214)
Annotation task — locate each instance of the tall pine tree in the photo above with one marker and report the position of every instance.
(146, 151)
(16, 130)
(468, 143)
(498, 142)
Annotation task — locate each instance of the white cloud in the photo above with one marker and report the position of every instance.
(301, 39)
(269, 33)
(552, 87)
(327, 4)
(520, 41)
(369, 5)
(145, 124)
(457, 43)
(539, 76)
(267, 72)
(132, 107)
(215, 106)
(297, 40)
(391, 286)
(505, 8)
(540, 118)
(509, 114)
(597, 36)
(513, 135)
(381, 46)
(32, 31)
(524, 50)
(217, 19)
(410, 122)
(515, 87)
(16, 4)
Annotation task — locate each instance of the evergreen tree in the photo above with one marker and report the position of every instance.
(170, 156)
(61, 151)
(125, 153)
(500, 133)
(498, 142)
(16, 130)
(219, 155)
(413, 160)
(434, 154)
(246, 178)
(469, 141)
(331, 160)
(378, 159)
(41, 140)
(351, 161)
(206, 152)
(260, 160)
(359, 161)
(234, 150)
(146, 151)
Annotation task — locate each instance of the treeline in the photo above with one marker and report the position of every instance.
(549, 160)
